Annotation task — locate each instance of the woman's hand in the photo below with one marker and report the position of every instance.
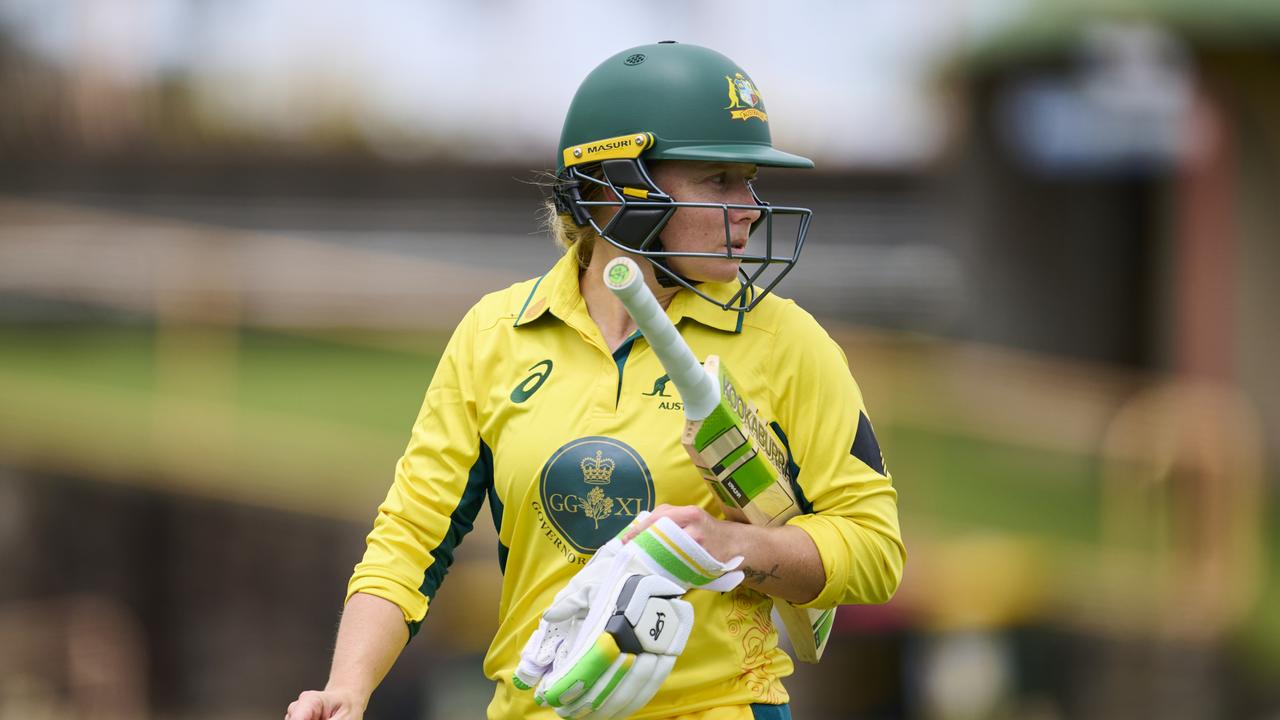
(371, 635)
(721, 538)
(326, 705)
(779, 561)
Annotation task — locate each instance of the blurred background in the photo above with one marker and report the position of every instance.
(235, 234)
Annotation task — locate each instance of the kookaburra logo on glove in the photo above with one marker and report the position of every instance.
(657, 627)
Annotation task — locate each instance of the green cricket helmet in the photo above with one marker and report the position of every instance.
(672, 101)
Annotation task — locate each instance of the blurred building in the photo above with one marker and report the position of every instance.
(1116, 167)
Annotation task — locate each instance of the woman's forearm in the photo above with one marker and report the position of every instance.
(781, 561)
(370, 637)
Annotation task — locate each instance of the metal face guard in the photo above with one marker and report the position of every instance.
(644, 210)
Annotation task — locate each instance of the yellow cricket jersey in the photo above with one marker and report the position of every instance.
(567, 441)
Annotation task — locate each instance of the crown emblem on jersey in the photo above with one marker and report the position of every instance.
(597, 471)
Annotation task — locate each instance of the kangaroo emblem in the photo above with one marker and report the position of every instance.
(659, 387)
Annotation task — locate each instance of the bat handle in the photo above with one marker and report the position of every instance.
(697, 389)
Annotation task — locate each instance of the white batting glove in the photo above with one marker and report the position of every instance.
(612, 635)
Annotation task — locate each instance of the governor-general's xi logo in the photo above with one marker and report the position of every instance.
(744, 99)
(590, 489)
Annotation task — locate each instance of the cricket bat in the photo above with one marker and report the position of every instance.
(733, 448)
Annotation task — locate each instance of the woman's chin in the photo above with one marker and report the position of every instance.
(708, 269)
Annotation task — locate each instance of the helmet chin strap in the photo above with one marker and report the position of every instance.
(665, 280)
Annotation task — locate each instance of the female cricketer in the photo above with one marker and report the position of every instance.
(626, 592)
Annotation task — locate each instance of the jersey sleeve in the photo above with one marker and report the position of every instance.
(845, 489)
(440, 484)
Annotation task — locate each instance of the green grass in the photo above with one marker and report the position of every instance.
(307, 422)
(93, 354)
(1259, 636)
(959, 483)
(372, 387)
(334, 376)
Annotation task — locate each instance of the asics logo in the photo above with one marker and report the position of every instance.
(527, 387)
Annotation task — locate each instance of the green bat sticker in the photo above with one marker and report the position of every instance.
(618, 274)
(739, 456)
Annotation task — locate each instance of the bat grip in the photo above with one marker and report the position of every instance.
(697, 389)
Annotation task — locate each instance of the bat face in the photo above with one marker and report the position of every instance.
(739, 457)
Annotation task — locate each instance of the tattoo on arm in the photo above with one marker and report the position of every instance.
(757, 576)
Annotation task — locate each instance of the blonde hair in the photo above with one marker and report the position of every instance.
(568, 235)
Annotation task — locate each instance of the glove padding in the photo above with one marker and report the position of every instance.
(612, 635)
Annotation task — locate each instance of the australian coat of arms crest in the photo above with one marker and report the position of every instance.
(744, 99)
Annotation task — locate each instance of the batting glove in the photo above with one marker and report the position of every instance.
(612, 635)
